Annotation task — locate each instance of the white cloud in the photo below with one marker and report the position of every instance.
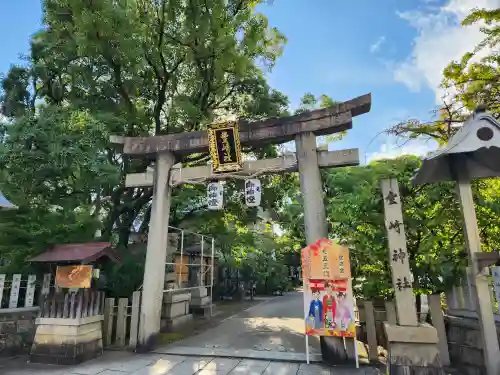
(441, 38)
(391, 150)
(375, 47)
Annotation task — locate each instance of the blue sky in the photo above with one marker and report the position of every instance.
(394, 49)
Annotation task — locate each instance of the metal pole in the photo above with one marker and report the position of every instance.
(212, 278)
(202, 263)
(304, 291)
(179, 277)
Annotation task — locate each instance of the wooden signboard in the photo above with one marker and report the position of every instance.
(77, 276)
(327, 261)
(225, 148)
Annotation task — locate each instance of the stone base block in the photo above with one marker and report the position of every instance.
(67, 341)
(174, 324)
(174, 309)
(171, 276)
(413, 350)
(169, 297)
(199, 292)
(202, 311)
(200, 301)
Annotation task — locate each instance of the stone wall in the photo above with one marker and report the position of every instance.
(17, 329)
(464, 344)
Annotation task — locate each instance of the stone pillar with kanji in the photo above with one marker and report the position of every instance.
(412, 346)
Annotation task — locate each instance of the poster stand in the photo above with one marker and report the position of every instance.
(326, 268)
(306, 336)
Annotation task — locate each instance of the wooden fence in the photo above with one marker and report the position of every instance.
(461, 299)
(371, 316)
(72, 305)
(121, 321)
(17, 291)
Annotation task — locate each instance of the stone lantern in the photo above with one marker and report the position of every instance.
(473, 152)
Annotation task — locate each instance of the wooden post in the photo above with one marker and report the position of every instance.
(121, 321)
(134, 319)
(46, 284)
(30, 291)
(371, 331)
(14, 290)
(66, 306)
(438, 323)
(72, 306)
(154, 270)
(484, 308)
(2, 285)
(79, 304)
(109, 307)
(85, 305)
(402, 279)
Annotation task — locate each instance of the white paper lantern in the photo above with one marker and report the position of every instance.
(253, 192)
(215, 196)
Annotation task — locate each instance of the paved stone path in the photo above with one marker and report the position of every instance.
(268, 339)
(122, 363)
(272, 329)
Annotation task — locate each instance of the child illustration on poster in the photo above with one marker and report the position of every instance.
(329, 306)
(343, 316)
(329, 309)
(315, 316)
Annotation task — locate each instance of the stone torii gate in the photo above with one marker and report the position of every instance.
(302, 128)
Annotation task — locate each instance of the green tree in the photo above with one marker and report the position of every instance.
(28, 231)
(434, 236)
(134, 68)
(431, 215)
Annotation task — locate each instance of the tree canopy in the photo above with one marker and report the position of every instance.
(144, 67)
(133, 68)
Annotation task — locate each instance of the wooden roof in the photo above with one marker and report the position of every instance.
(77, 252)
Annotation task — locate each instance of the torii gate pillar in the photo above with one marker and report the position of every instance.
(154, 275)
(311, 187)
(316, 227)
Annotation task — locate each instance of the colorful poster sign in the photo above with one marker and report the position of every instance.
(328, 300)
(77, 276)
(329, 308)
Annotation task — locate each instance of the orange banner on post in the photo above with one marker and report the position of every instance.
(325, 260)
(77, 276)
